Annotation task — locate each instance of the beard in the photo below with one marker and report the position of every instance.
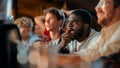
(105, 20)
(78, 35)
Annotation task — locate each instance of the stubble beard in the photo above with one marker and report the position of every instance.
(105, 21)
(78, 35)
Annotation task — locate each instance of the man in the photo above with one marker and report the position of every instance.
(79, 31)
(54, 23)
(108, 12)
(108, 18)
(54, 20)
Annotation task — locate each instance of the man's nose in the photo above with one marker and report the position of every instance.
(98, 8)
(70, 24)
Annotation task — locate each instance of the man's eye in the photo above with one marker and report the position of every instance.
(52, 18)
(75, 21)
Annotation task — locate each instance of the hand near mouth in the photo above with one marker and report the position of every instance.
(66, 38)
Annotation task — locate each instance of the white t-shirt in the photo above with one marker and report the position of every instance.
(76, 46)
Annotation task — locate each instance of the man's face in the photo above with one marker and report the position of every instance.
(51, 22)
(105, 11)
(75, 25)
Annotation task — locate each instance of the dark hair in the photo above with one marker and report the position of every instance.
(55, 12)
(85, 15)
(116, 3)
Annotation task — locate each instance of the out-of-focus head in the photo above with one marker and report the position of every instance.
(25, 25)
(107, 11)
(24, 22)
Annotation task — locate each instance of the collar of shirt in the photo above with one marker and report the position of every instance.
(56, 42)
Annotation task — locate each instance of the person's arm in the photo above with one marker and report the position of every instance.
(68, 59)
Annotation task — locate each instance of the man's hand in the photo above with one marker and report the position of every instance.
(66, 38)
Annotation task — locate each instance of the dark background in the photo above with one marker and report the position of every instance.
(32, 8)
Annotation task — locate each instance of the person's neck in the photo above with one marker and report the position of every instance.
(85, 35)
(54, 35)
(112, 22)
(25, 39)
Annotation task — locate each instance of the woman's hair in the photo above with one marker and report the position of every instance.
(24, 22)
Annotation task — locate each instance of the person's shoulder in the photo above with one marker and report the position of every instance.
(34, 38)
(95, 33)
(94, 36)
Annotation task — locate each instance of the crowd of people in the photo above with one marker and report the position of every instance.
(60, 39)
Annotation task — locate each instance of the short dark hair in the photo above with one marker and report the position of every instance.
(54, 11)
(85, 15)
(116, 3)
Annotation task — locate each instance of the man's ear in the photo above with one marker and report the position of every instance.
(86, 25)
(117, 10)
